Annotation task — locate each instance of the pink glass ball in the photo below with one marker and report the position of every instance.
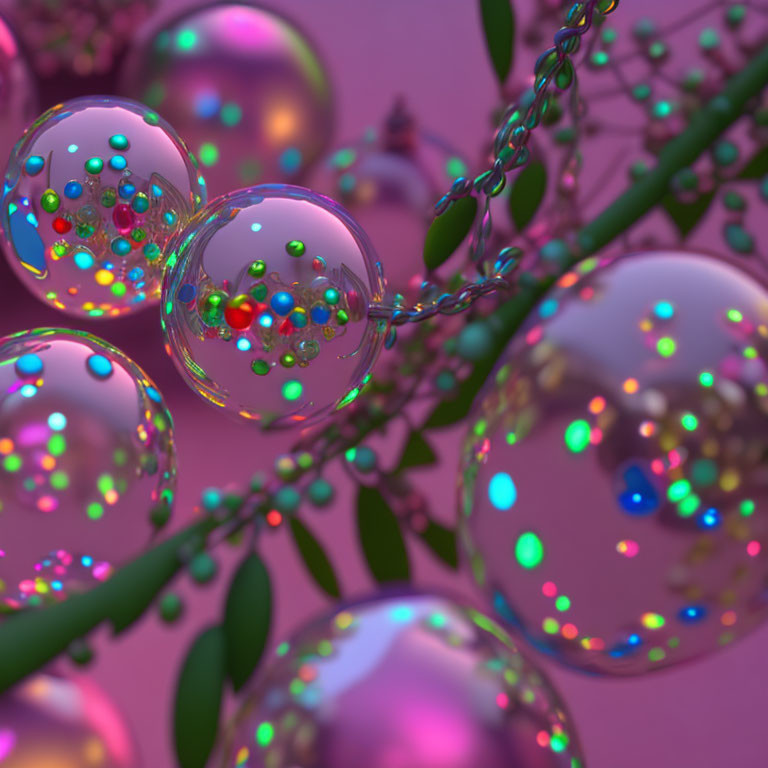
(51, 720)
(18, 90)
(86, 452)
(266, 305)
(94, 190)
(401, 682)
(244, 88)
(613, 496)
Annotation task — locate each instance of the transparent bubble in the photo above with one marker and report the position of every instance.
(266, 305)
(86, 451)
(51, 720)
(94, 190)
(614, 498)
(244, 88)
(401, 680)
(18, 90)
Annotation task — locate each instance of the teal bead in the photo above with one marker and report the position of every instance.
(709, 39)
(445, 381)
(320, 492)
(725, 153)
(211, 498)
(365, 459)
(170, 607)
(475, 341)
(203, 568)
(738, 239)
(733, 201)
(555, 252)
(286, 500)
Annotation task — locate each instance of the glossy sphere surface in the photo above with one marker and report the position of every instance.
(94, 190)
(412, 681)
(86, 451)
(62, 722)
(243, 87)
(265, 305)
(18, 91)
(613, 496)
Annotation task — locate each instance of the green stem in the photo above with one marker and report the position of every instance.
(32, 638)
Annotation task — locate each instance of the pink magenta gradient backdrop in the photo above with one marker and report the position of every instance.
(710, 714)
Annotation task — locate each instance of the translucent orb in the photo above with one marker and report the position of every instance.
(266, 305)
(93, 191)
(51, 720)
(86, 451)
(244, 88)
(613, 496)
(18, 90)
(390, 184)
(408, 680)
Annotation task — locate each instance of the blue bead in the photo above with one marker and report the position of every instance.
(34, 165)
(118, 162)
(186, 293)
(29, 365)
(320, 314)
(282, 303)
(73, 190)
(99, 366)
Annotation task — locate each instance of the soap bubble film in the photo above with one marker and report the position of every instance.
(408, 680)
(93, 192)
(86, 452)
(244, 88)
(265, 305)
(641, 386)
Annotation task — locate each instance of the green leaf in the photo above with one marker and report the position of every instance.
(247, 617)
(417, 452)
(442, 542)
(757, 165)
(686, 216)
(198, 698)
(499, 28)
(447, 232)
(527, 192)
(315, 559)
(381, 538)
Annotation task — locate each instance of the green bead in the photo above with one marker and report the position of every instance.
(118, 141)
(257, 269)
(295, 248)
(687, 179)
(50, 201)
(170, 607)
(709, 39)
(203, 568)
(286, 500)
(288, 360)
(735, 15)
(80, 652)
(160, 515)
(84, 231)
(693, 79)
(342, 318)
(320, 492)
(260, 367)
(733, 201)
(599, 58)
(94, 165)
(258, 481)
(151, 118)
(109, 197)
(331, 296)
(657, 50)
(259, 292)
(139, 234)
(641, 92)
(152, 251)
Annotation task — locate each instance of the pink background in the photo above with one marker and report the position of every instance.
(709, 715)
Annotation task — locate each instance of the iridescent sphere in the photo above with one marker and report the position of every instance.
(401, 681)
(94, 190)
(244, 88)
(18, 91)
(390, 184)
(86, 452)
(50, 721)
(266, 305)
(613, 485)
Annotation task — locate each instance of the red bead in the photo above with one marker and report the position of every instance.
(286, 328)
(61, 225)
(123, 218)
(239, 315)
